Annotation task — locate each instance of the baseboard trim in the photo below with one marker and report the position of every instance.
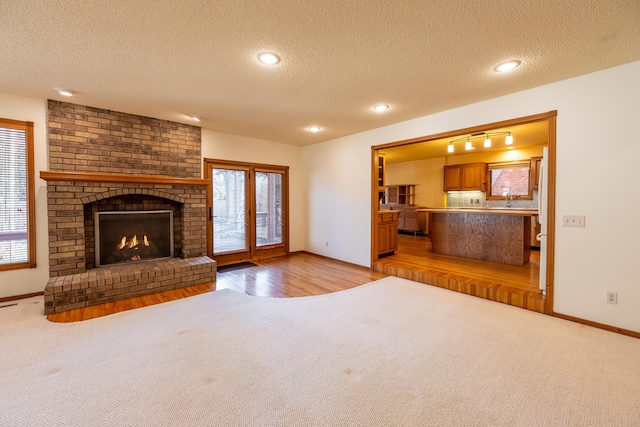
(16, 297)
(332, 259)
(598, 325)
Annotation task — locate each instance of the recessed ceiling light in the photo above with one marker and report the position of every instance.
(507, 66)
(194, 118)
(64, 92)
(314, 128)
(268, 58)
(381, 108)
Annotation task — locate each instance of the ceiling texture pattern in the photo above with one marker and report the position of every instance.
(172, 59)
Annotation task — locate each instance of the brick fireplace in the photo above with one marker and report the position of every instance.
(104, 161)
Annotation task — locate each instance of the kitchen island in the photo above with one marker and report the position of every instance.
(491, 234)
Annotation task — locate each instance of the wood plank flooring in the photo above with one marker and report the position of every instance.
(305, 274)
(300, 274)
(513, 285)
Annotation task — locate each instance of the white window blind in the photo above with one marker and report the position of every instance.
(14, 196)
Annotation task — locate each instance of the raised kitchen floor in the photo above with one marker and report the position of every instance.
(509, 284)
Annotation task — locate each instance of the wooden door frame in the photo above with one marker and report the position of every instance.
(255, 253)
(550, 118)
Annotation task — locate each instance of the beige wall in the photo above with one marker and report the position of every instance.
(26, 281)
(596, 169)
(427, 174)
(214, 145)
(496, 156)
(224, 146)
(331, 186)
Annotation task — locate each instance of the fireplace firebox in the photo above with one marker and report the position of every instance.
(130, 236)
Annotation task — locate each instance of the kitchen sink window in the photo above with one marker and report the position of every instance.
(509, 180)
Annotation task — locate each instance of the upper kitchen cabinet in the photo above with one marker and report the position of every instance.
(474, 176)
(400, 194)
(535, 172)
(453, 178)
(466, 177)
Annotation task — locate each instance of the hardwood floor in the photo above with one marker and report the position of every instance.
(300, 274)
(513, 285)
(305, 274)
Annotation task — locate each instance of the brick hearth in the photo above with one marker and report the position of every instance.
(113, 283)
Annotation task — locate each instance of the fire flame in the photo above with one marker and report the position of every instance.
(133, 243)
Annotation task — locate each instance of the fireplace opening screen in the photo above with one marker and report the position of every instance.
(133, 236)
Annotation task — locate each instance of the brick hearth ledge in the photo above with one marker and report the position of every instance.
(118, 282)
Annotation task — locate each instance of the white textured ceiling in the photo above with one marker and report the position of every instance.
(169, 59)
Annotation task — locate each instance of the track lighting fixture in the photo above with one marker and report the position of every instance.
(468, 145)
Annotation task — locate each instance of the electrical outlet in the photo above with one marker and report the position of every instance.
(326, 243)
(612, 297)
(573, 221)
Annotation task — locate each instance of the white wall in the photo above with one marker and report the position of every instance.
(338, 175)
(597, 176)
(26, 281)
(224, 146)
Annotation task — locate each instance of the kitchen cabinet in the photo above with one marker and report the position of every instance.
(400, 194)
(453, 178)
(388, 231)
(466, 177)
(535, 172)
(535, 229)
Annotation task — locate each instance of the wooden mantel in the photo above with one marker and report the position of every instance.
(120, 178)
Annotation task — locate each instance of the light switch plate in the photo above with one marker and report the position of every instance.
(573, 221)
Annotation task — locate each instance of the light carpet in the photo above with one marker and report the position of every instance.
(389, 353)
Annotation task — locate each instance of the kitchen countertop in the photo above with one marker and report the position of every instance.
(494, 211)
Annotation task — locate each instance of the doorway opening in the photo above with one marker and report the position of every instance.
(412, 258)
(248, 209)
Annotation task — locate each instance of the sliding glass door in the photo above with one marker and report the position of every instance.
(248, 213)
(268, 209)
(230, 224)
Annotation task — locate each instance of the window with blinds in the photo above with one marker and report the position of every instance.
(17, 240)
